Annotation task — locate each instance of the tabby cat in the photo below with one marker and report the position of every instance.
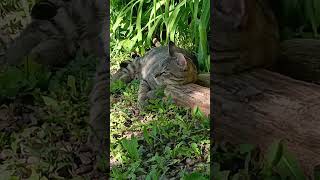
(161, 66)
(244, 36)
(57, 30)
(44, 38)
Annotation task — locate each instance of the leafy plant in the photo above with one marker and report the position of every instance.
(131, 146)
(134, 25)
(117, 86)
(22, 80)
(278, 163)
(280, 160)
(44, 148)
(14, 15)
(298, 17)
(166, 135)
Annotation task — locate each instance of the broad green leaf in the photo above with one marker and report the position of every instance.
(50, 102)
(146, 135)
(195, 148)
(131, 146)
(195, 176)
(71, 82)
(274, 153)
(194, 18)
(117, 23)
(288, 166)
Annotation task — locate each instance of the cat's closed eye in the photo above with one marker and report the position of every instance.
(159, 74)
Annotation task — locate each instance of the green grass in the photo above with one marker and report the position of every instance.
(168, 141)
(164, 141)
(298, 18)
(245, 161)
(46, 126)
(14, 15)
(135, 23)
(161, 142)
(158, 142)
(46, 112)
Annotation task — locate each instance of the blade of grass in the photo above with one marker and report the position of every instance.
(173, 19)
(138, 22)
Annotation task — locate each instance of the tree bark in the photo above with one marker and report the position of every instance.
(203, 80)
(261, 106)
(300, 59)
(191, 95)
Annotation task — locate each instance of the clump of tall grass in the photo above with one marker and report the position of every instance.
(135, 23)
(301, 15)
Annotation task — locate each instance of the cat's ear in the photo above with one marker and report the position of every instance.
(182, 62)
(171, 48)
(44, 10)
(124, 64)
(235, 10)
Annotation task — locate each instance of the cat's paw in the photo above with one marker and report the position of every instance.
(143, 103)
(151, 94)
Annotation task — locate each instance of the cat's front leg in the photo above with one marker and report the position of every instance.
(152, 94)
(51, 52)
(156, 93)
(148, 94)
(143, 98)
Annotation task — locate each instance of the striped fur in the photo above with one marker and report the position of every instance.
(161, 66)
(55, 36)
(99, 94)
(99, 104)
(58, 29)
(44, 38)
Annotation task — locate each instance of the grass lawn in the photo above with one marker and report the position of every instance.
(164, 141)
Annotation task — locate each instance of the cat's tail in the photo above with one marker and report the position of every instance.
(129, 70)
(156, 42)
(22, 45)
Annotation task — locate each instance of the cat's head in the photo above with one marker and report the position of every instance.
(176, 69)
(44, 10)
(229, 15)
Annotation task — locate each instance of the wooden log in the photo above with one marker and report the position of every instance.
(262, 106)
(259, 108)
(203, 80)
(191, 95)
(300, 59)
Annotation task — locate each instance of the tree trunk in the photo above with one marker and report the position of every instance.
(204, 80)
(300, 59)
(261, 107)
(191, 95)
